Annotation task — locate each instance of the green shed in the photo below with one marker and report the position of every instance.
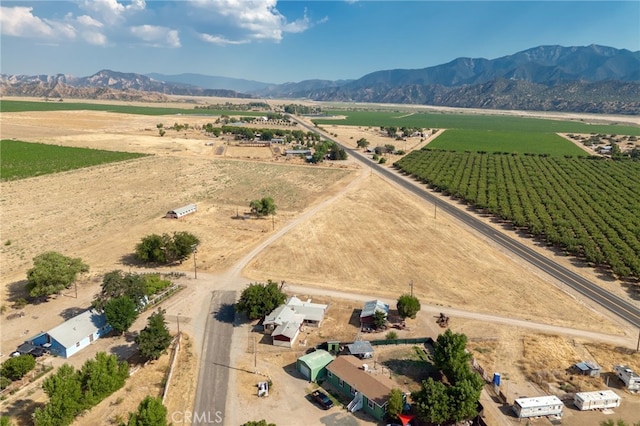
(313, 366)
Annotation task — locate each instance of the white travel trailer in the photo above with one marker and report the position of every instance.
(538, 406)
(630, 379)
(598, 400)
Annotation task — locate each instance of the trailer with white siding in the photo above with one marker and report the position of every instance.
(630, 379)
(549, 405)
(598, 400)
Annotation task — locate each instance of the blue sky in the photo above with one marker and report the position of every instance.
(290, 41)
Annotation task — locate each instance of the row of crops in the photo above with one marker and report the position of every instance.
(590, 208)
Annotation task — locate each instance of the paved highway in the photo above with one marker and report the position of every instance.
(211, 394)
(620, 307)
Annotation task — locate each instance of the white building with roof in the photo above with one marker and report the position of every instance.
(628, 377)
(549, 405)
(597, 400)
(74, 334)
(181, 211)
(286, 321)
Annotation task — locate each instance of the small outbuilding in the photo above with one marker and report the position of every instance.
(360, 348)
(313, 366)
(588, 368)
(181, 211)
(539, 406)
(368, 311)
(598, 400)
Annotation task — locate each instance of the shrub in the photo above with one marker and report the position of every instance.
(15, 368)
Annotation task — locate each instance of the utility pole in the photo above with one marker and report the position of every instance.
(178, 318)
(435, 209)
(411, 285)
(195, 267)
(76, 286)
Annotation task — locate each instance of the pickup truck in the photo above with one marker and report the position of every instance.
(322, 399)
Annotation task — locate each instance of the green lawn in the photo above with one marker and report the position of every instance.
(23, 159)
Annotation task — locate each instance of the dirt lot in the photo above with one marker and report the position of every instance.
(373, 241)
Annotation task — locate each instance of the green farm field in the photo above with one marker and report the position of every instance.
(510, 142)
(23, 159)
(22, 106)
(501, 123)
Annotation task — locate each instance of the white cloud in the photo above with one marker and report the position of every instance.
(219, 40)
(157, 36)
(112, 11)
(94, 37)
(249, 20)
(88, 21)
(20, 22)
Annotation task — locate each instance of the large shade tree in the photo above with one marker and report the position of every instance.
(52, 272)
(258, 299)
(408, 306)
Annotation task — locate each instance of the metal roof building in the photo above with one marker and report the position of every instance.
(74, 334)
(181, 211)
(313, 366)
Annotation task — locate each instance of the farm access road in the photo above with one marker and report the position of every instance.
(614, 304)
(213, 389)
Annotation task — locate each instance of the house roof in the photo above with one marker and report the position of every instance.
(598, 395)
(77, 328)
(538, 401)
(372, 306)
(279, 315)
(317, 359)
(587, 366)
(375, 386)
(184, 210)
(290, 328)
(360, 347)
(311, 311)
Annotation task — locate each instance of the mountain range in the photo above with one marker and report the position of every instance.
(595, 79)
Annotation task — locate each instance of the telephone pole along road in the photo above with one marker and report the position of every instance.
(618, 306)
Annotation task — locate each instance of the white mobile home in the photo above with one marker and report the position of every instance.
(598, 400)
(630, 379)
(538, 406)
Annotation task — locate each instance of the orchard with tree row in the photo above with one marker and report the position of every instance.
(586, 206)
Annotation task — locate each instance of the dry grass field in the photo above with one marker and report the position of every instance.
(372, 241)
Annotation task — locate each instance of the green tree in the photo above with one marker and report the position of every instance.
(150, 412)
(166, 248)
(362, 143)
(121, 313)
(263, 207)
(116, 284)
(183, 245)
(258, 299)
(619, 422)
(432, 402)
(15, 368)
(5, 421)
(395, 403)
(155, 338)
(258, 423)
(450, 355)
(379, 319)
(66, 399)
(52, 272)
(102, 376)
(152, 248)
(408, 306)
(464, 398)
